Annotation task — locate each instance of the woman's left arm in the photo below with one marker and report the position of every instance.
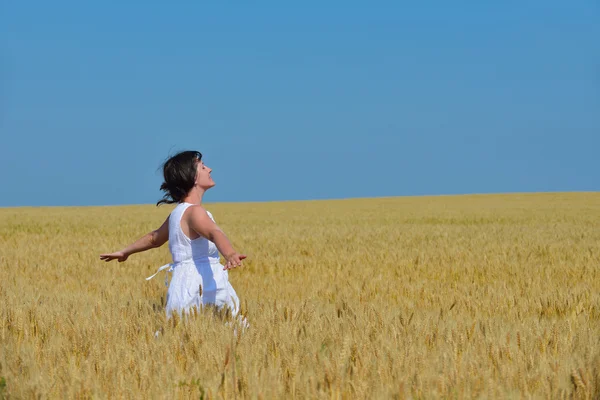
(149, 241)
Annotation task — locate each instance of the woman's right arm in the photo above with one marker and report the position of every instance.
(149, 241)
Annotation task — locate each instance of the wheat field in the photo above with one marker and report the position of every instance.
(488, 296)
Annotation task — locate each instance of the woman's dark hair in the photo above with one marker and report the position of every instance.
(179, 173)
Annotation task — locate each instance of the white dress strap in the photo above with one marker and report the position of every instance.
(170, 269)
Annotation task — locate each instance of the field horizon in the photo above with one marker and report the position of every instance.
(333, 199)
(445, 296)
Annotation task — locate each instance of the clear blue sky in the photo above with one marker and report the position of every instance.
(306, 101)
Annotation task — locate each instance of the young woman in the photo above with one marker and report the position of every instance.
(195, 240)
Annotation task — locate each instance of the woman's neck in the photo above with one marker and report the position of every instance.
(194, 196)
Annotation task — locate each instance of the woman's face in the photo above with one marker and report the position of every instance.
(203, 178)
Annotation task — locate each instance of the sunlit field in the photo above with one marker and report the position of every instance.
(422, 297)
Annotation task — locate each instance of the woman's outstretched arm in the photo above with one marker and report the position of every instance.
(201, 223)
(149, 241)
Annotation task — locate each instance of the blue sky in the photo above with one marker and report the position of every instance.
(310, 100)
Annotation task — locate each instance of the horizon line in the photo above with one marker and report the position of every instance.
(318, 200)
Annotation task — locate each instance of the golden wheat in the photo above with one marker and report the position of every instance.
(424, 297)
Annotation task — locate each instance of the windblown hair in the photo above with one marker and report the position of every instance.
(179, 174)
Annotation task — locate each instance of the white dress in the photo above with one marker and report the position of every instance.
(198, 275)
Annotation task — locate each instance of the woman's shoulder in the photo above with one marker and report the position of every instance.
(210, 215)
(198, 208)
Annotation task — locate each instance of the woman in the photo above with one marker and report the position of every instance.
(195, 240)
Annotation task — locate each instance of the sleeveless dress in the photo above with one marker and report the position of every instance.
(198, 275)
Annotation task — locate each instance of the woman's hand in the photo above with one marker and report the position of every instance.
(234, 260)
(119, 255)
